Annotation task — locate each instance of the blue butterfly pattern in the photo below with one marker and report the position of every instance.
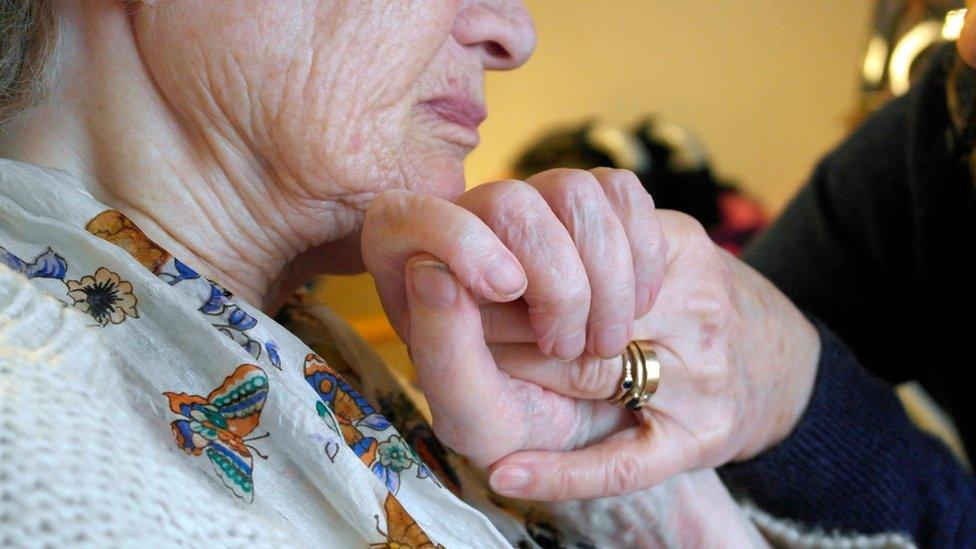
(221, 309)
(46, 265)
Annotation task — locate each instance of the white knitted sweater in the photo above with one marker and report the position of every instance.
(74, 469)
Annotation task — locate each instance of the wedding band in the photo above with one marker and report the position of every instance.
(640, 378)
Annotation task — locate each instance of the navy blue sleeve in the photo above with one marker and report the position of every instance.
(856, 463)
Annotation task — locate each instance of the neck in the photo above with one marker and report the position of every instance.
(196, 189)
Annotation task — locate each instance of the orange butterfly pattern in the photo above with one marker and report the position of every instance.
(365, 431)
(217, 425)
(402, 531)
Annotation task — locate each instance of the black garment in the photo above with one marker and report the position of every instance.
(880, 247)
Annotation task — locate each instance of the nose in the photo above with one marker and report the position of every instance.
(501, 31)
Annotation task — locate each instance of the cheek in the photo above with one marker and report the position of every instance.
(363, 99)
(324, 95)
(376, 154)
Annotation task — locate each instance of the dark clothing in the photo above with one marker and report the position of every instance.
(881, 247)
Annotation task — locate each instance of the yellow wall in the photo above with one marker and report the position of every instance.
(765, 83)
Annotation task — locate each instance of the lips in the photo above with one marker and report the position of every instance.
(462, 111)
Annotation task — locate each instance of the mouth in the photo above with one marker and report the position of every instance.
(462, 111)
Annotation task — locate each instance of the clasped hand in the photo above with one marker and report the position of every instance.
(517, 299)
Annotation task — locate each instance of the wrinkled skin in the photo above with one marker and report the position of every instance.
(249, 140)
(334, 109)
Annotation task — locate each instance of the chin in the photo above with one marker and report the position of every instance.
(443, 177)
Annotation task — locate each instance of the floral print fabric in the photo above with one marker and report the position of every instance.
(292, 434)
(104, 296)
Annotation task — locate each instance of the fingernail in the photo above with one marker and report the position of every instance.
(610, 340)
(510, 479)
(569, 347)
(506, 278)
(433, 284)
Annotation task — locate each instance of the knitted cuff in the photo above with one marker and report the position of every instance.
(844, 465)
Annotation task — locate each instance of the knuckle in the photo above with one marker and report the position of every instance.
(566, 484)
(711, 304)
(509, 196)
(625, 178)
(565, 301)
(443, 431)
(711, 378)
(656, 244)
(383, 217)
(376, 215)
(514, 210)
(491, 191)
(592, 375)
(571, 482)
(687, 226)
(623, 475)
(661, 246)
(714, 437)
(707, 304)
(621, 183)
(391, 201)
(578, 188)
(723, 432)
(715, 375)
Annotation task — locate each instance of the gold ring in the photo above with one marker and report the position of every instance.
(640, 378)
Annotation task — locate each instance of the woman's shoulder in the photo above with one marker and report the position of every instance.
(79, 461)
(35, 326)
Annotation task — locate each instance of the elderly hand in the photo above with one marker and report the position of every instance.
(583, 249)
(737, 358)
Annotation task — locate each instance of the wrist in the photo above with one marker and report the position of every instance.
(780, 349)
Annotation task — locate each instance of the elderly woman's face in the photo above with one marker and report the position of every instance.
(339, 98)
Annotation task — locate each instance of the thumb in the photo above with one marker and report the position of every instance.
(629, 461)
(454, 366)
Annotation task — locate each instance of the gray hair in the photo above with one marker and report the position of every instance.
(27, 42)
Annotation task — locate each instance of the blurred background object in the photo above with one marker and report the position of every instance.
(671, 162)
(767, 84)
(904, 36)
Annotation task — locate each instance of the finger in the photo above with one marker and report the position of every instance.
(578, 200)
(448, 350)
(558, 293)
(477, 410)
(507, 323)
(648, 246)
(695, 297)
(400, 224)
(630, 461)
(586, 377)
